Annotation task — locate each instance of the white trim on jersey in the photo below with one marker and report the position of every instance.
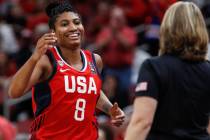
(84, 56)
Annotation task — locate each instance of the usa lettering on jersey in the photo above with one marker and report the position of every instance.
(80, 84)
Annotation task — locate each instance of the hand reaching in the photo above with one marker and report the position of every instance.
(117, 115)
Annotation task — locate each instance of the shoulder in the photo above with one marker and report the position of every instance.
(162, 61)
(154, 61)
(44, 61)
(159, 65)
(99, 62)
(95, 58)
(207, 63)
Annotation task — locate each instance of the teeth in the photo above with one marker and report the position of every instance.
(74, 35)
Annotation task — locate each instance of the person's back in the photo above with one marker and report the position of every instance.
(184, 95)
(172, 94)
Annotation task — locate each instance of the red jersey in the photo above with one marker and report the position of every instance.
(64, 105)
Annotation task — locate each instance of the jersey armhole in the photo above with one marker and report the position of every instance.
(95, 65)
(53, 63)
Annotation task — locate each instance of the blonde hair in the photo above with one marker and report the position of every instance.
(183, 32)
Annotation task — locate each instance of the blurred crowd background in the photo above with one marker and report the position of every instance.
(123, 32)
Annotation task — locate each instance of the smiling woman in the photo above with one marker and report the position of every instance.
(65, 81)
(67, 25)
(69, 29)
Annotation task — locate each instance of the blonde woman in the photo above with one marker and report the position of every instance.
(173, 95)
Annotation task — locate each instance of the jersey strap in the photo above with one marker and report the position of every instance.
(95, 65)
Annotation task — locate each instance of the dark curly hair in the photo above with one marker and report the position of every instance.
(54, 9)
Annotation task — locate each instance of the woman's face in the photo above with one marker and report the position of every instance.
(69, 29)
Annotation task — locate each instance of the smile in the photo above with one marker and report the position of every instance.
(73, 35)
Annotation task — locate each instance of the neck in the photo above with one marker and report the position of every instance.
(71, 56)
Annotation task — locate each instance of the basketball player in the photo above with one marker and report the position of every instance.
(65, 80)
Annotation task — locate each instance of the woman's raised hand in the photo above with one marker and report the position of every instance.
(45, 42)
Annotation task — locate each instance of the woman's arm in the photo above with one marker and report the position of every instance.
(116, 114)
(20, 80)
(142, 118)
(33, 70)
(103, 104)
